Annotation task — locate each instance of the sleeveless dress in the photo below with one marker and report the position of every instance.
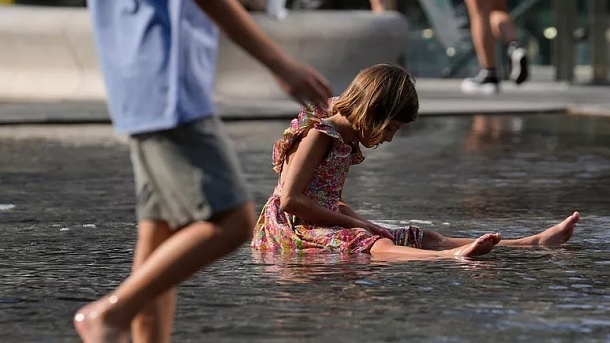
(277, 230)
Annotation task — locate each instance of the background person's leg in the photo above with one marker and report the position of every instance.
(479, 12)
(504, 30)
(501, 23)
(486, 81)
(377, 6)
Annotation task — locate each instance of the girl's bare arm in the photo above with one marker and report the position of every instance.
(297, 174)
(374, 228)
(349, 211)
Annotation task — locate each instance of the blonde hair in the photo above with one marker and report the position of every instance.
(377, 95)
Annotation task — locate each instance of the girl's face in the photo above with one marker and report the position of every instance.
(387, 136)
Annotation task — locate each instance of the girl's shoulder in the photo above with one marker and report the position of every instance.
(310, 117)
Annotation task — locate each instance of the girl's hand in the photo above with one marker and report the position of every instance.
(379, 230)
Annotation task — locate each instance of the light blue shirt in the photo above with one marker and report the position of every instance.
(158, 58)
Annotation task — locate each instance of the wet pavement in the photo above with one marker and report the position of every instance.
(67, 232)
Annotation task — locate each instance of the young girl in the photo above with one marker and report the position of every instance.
(306, 211)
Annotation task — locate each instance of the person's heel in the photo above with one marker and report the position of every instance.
(519, 65)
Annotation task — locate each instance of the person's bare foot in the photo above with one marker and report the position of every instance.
(91, 327)
(480, 246)
(557, 234)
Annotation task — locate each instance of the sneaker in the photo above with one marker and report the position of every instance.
(518, 64)
(483, 83)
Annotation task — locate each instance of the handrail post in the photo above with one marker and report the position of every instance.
(563, 44)
(598, 45)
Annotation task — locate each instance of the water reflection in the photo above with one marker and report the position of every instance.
(67, 234)
(491, 131)
(296, 268)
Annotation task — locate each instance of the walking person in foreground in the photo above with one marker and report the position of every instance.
(193, 206)
(306, 212)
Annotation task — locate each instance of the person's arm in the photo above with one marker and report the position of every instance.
(349, 211)
(302, 82)
(310, 152)
(374, 228)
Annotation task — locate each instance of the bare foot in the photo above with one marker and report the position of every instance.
(91, 327)
(480, 246)
(557, 234)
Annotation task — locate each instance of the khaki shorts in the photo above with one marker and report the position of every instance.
(186, 174)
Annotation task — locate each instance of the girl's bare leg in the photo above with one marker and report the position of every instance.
(154, 323)
(553, 236)
(479, 246)
(178, 257)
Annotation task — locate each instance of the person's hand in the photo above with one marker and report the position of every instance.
(304, 84)
(379, 230)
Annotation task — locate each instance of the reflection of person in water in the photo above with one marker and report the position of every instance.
(298, 267)
(487, 130)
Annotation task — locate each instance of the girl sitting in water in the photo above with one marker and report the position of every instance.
(306, 211)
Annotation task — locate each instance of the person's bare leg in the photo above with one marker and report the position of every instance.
(377, 6)
(479, 246)
(180, 256)
(504, 30)
(479, 12)
(154, 323)
(502, 25)
(553, 236)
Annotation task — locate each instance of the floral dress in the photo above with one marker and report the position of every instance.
(277, 230)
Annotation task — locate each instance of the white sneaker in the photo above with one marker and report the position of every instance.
(481, 84)
(518, 65)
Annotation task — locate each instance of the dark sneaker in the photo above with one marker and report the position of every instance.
(483, 83)
(518, 65)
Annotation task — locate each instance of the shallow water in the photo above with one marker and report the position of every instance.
(67, 232)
